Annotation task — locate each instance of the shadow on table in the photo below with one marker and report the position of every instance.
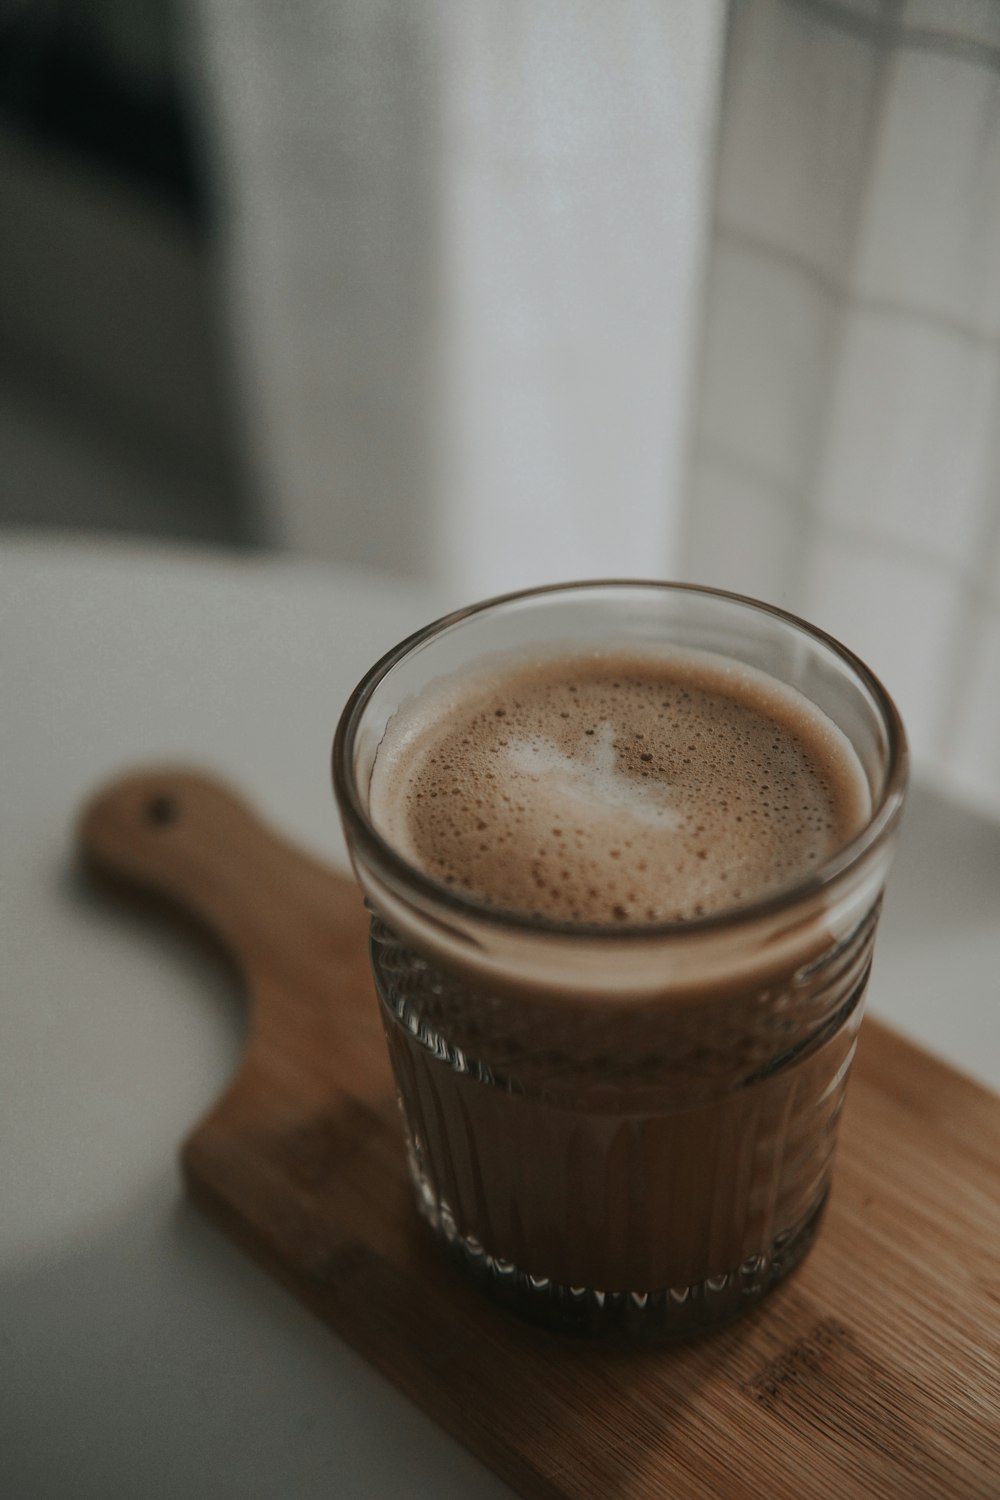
(151, 1358)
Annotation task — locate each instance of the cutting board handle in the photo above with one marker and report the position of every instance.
(295, 928)
(190, 839)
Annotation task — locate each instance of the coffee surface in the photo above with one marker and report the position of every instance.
(612, 788)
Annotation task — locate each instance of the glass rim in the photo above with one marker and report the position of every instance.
(881, 821)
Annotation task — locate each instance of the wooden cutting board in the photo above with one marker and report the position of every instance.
(874, 1371)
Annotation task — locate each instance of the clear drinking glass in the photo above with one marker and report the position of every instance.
(625, 1131)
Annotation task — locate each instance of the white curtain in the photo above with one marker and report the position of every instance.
(846, 462)
(464, 240)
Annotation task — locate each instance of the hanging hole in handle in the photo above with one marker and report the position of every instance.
(162, 810)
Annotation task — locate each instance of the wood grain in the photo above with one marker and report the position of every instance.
(875, 1371)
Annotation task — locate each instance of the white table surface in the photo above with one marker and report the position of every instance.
(140, 1352)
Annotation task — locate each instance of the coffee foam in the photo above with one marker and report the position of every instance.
(615, 787)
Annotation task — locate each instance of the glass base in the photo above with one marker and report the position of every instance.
(667, 1315)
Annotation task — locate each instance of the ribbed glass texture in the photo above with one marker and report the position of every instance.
(654, 1201)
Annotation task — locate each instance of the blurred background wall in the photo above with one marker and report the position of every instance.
(409, 286)
(115, 372)
(492, 292)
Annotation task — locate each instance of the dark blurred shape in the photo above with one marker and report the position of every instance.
(114, 383)
(71, 82)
